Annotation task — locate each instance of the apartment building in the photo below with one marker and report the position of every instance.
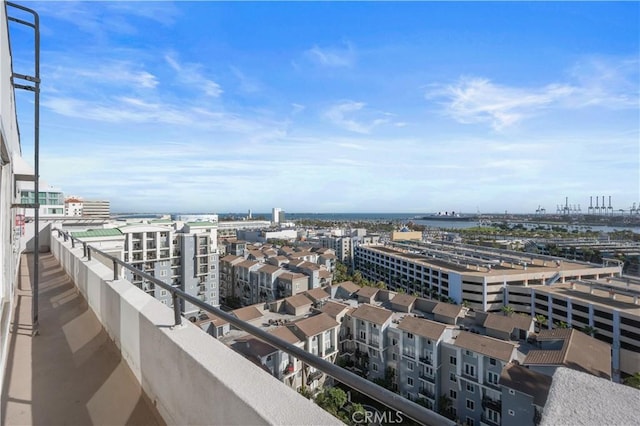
(470, 376)
(185, 258)
(254, 274)
(199, 269)
(608, 308)
(475, 275)
(481, 368)
(417, 359)
(296, 322)
(227, 277)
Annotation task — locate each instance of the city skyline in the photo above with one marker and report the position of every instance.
(337, 107)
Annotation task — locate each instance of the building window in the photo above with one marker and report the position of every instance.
(492, 361)
(471, 405)
(492, 378)
(453, 394)
(363, 334)
(394, 342)
(393, 356)
(374, 367)
(410, 336)
(493, 415)
(453, 360)
(163, 292)
(410, 365)
(163, 273)
(470, 388)
(470, 370)
(410, 381)
(469, 421)
(452, 377)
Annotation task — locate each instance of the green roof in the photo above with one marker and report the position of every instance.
(93, 233)
(161, 221)
(201, 224)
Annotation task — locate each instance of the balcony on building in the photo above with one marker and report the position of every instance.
(107, 353)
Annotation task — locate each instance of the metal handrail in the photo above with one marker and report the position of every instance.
(397, 402)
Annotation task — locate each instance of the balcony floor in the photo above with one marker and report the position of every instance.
(71, 373)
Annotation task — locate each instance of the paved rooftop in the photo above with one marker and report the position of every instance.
(71, 373)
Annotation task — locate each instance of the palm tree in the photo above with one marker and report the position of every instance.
(591, 331)
(561, 324)
(507, 310)
(541, 320)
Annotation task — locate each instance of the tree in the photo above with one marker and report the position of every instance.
(591, 331)
(507, 310)
(541, 321)
(633, 380)
(561, 324)
(332, 400)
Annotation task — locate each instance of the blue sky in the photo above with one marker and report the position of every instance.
(337, 106)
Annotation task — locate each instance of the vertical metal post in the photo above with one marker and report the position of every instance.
(35, 79)
(115, 270)
(84, 249)
(176, 308)
(88, 252)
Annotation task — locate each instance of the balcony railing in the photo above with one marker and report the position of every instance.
(429, 379)
(494, 404)
(378, 393)
(425, 360)
(427, 393)
(485, 419)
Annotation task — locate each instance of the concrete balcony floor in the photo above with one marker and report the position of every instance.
(71, 373)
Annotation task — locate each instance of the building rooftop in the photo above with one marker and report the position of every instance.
(488, 346)
(372, 314)
(319, 293)
(96, 233)
(405, 300)
(297, 301)
(269, 269)
(285, 334)
(333, 309)
(314, 325)
(247, 313)
(422, 327)
(368, 291)
(349, 286)
(507, 323)
(527, 381)
(448, 310)
(578, 351)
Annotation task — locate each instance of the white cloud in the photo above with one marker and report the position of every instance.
(192, 74)
(351, 116)
(596, 82)
(334, 57)
(478, 100)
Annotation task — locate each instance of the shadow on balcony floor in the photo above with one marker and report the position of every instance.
(71, 372)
